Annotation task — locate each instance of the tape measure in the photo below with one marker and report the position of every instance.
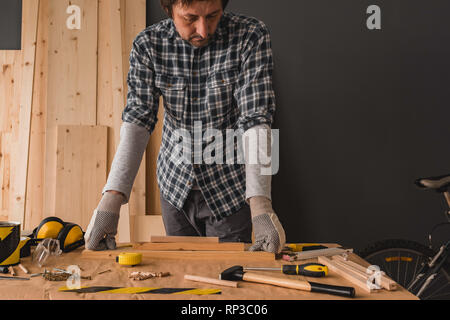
(129, 258)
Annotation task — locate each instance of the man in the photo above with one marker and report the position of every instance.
(214, 68)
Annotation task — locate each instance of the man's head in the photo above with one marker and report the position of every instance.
(196, 20)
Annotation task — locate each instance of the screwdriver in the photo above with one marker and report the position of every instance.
(307, 269)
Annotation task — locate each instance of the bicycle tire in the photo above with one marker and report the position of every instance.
(397, 257)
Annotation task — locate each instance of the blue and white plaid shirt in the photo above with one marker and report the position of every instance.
(226, 84)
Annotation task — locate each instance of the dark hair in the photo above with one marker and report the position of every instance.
(168, 4)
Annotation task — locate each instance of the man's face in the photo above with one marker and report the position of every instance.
(197, 22)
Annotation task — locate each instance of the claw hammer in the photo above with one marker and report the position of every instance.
(237, 273)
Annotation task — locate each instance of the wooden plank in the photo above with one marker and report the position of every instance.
(225, 246)
(81, 172)
(305, 255)
(30, 10)
(153, 200)
(8, 85)
(386, 282)
(237, 256)
(174, 239)
(5, 173)
(105, 110)
(34, 205)
(133, 21)
(3, 213)
(356, 280)
(115, 29)
(145, 227)
(72, 80)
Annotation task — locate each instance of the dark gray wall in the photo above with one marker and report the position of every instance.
(10, 24)
(361, 115)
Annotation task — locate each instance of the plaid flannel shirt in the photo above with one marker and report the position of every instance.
(226, 84)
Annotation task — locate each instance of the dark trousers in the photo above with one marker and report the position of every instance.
(196, 219)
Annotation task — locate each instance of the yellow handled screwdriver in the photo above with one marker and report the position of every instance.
(307, 269)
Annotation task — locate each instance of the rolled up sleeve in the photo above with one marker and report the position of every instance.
(254, 93)
(143, 97)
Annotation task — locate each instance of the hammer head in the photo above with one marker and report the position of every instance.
(233, 274)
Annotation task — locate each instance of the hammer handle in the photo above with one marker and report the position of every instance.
(300, 284)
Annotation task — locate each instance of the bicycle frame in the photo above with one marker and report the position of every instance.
(429, 270)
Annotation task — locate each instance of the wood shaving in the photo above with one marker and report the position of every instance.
(139, 275)
(53, 276)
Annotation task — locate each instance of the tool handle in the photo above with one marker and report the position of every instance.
(335, 290)
(299, 284)
(281, 282)
(308, 269)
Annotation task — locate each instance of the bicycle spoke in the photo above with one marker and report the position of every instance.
(415, 272)
(406, 273)
(433, 294)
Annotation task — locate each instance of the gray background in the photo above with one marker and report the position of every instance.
(10, 24)
(361, 114)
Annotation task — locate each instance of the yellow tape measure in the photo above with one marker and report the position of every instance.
(129, 258)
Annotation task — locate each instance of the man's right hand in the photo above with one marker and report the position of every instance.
(102, 229)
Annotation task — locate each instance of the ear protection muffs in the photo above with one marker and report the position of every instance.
(48, 228)
(70, 235)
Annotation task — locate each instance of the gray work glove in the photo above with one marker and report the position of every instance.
(102, 229)
(268, 231)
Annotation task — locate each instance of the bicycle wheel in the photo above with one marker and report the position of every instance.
(402, 260)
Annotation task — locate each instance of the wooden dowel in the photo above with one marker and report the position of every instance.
(225, 283)
(353, 278)
(23, 268)
(11, 271)
(386, 282)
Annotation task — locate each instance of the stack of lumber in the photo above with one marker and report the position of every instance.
(61, 101)
(366, 278)
(163, 247)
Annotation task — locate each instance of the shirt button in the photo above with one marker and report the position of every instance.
(195, 98)
(195, 73)
(189, 184)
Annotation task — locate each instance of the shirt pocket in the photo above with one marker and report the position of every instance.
(220, 94)
(173, 89)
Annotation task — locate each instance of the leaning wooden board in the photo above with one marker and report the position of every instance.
(72, 81)
(80, 171)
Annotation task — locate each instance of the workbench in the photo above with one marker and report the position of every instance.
(193, 264)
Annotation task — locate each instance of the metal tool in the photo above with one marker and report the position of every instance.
(237, 273)
(13, 278)
(298, 247)
(308, 269)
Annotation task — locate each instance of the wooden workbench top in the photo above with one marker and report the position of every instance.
(40, 289)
